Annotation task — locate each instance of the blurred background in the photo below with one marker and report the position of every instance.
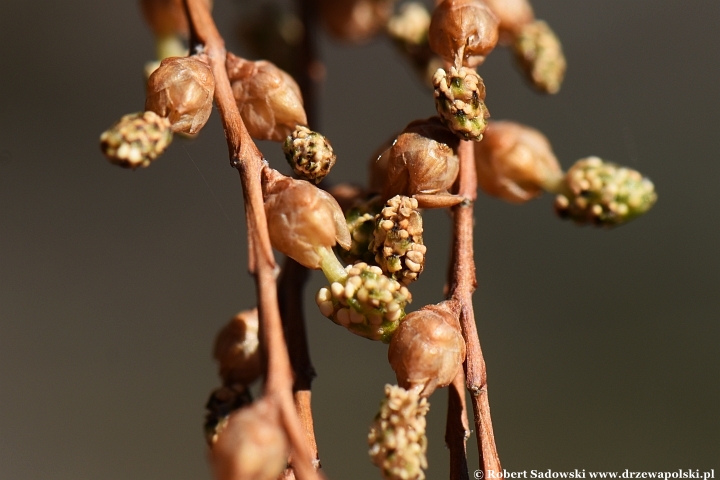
(603, 347)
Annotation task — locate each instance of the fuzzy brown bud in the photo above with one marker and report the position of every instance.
(252, 446)
(513, 15)
(422, 160)
(515, 162)
(304, 222)
(236, 349)
(397, 240)
(136, 140)
(459, 96)
(181, 89)
(355, 20)
(463, 32)
(269, 100)
(366, 302)
(309, 154)
(397, 436)
(427, 349)
(539, 54)
(603, 193)
(222, 402)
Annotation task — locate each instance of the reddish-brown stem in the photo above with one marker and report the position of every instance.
(456, 429)
(246, 157)
(463, 284)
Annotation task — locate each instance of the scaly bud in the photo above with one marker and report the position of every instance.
(603, 193)
(269, 100)
(539, 53)
(397, 436)
(463, 32)
(513, 15)
(236, 349)
(365, 301)
(136, 140)
(252, 445)
(222, 402)
(309, 154)
(422, 160)
(361, 223)
(397, 240)
(304, 222)
(427, 350)
(355, 20)
(515, 162)
(459, 97)
(181, 89)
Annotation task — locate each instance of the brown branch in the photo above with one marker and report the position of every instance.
(456, 429)
(463, 284)
(245, 156)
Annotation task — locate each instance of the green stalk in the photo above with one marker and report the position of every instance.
(331, 266)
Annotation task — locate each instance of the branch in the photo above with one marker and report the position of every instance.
(456, 429)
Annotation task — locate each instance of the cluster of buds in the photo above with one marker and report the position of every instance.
(355, 20)
(268, 98)
(309, 154)
(365, 301)
(427, 350)
(397, 439)
(463, 32)
(540, 55)
(459, 96)
(603, 194)
(397, 240)
(515, 162)
(181, 89)
(136, 140)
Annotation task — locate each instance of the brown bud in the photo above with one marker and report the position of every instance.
(166, 17)
(236, 349)
(463, 32)
(252, 446)
(136, 140)
(269, 100)
(355, 20)
(304, 221)
(422, 160)
(222, 402)
(512, 14)
(181, 89)
(515, 162)
(427, 349)
(309, 154)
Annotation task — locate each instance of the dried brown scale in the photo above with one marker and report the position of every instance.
(515, 162)
(463, 32)
(309, 154)
(459, 95)
(136, 139)
(355, 20)
(397, 439)
(397, 240)
(181, 89)
(539, 53)
(269, 100)
(236, 349)
(366, 302)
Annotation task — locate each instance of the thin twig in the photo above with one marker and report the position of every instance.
(245, 156)
(462, 286)
(456, 429)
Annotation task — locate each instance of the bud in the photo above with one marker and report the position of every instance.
(269, 100)
(252, 446)
(515, 162)
(236, 349)
(304, 222)
(398, 242)
(222, 402)
(463, 32)
(539, 53)
(397, 436)
(366, 302)
(309, 154)
(422, 160)
(181, 89)
(361, 224)
(410, 26)
(513, 15)
(355, 20)
(459, 99)
(603, 193)
(136, 140)
(427, 350)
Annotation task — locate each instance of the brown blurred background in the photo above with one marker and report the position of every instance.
(603, 347)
